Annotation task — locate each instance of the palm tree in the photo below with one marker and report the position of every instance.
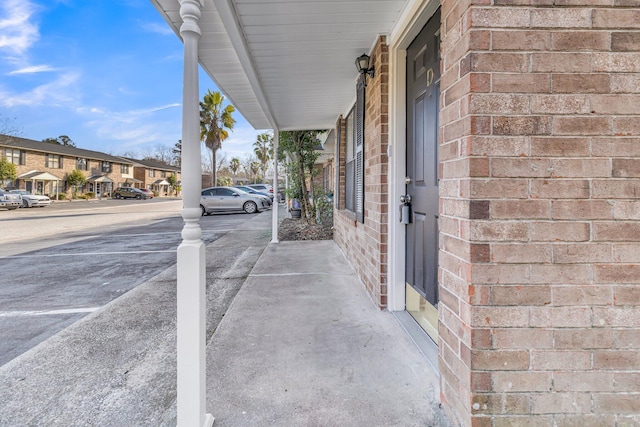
(263, 147)
(234, 166)
(214, 122)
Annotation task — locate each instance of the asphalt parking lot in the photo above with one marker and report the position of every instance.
(64, 261)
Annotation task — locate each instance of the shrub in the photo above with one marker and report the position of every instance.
(89, 195)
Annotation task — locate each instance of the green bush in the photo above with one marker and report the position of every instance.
(89, 195)
(58, 197)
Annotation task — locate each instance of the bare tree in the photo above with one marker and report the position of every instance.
(7, 127)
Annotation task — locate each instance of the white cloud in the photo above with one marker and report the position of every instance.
(17, 32)
(33, 69)
(157, 28)
(56, 93)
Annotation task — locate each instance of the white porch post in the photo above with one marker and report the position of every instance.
(191, 252)
(274, 224)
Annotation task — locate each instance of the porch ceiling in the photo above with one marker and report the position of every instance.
(287, 64)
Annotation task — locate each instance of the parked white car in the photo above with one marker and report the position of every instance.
(32, 200)
(8, 200)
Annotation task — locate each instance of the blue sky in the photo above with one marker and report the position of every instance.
(107, 73)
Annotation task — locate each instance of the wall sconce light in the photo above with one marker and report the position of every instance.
(362, 64)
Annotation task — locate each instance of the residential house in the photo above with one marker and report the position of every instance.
(43, 167)
(152, 174)
(487, 178)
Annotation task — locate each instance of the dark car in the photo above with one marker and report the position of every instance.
(255, 192)
(130, 193)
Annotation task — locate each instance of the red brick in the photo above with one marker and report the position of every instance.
(616, 273)
(581, 168)
(585, 420)
(499, 104)
(624, 317)
(615, 62)
(560, 317)
(500, 403)
(560, 231)
(583, 338)
(520, 40)
(619, 360)
(581, 40)
(619, 231)
(561, 62)
(560, 189)
(496, 146)
(553, 146)
(522, 125)
(558, 360)
(616, 403)
(581, 209)
(522, 338)
(521, 209)
(521, 83)
(497, 188)
(579, 83)
(588, 125)
(560, 274)
(500, 360)
(504, 253)
(614, 18)
(626, 168)
(512, 317)
(626, 126)
(561, 403)
(500, 231)
(615, 189)
(582, 295)
(561, 18)
(500, 62)
(582, 381)
(519, 295)
(625, 41)
(560, 104)
(497, 17)
(627, 295)
(626, 210)
(615, 104)
(510, 382)
(625, 83)
(520, 168)
(626, 252)
(582, 253)
(616, 147)
(626, 381)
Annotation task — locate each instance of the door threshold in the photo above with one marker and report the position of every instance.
(420, 338)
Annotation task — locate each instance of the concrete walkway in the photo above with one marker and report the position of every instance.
(303, 345)
(299, 344)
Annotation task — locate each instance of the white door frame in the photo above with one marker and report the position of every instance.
(414, 18)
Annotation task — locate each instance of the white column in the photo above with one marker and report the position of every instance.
(191, 252)
(274, 212)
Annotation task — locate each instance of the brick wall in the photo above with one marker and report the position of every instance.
(540, 252)
(365, 244)
(35, 160)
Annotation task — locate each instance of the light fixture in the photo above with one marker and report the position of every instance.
(362, 64)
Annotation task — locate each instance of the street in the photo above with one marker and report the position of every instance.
(62, 262)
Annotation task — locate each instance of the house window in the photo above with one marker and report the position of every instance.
(81, 164)
(354, 165)
(17, 157)
(53, 161)
(106, 167)
(152, 173)
(163, 174)
(124, 169)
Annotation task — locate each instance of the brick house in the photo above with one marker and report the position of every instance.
(152, 174)
(486, 176)
(43, 167)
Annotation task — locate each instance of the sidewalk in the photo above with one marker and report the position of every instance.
(302, 345)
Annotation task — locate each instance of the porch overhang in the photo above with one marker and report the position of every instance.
(38, 176)
(99, 178)
(287, 65)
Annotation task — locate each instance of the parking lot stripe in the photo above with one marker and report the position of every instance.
(48, 312)
(88, 253)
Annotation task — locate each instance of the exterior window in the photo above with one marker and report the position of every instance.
(81, 164)
(163, 174)
(152, 173)
(106, 167)
(17, 157)
(354, 170)
(53, 161)
(124, 169)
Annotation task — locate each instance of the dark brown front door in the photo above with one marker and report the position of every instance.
(423, 91)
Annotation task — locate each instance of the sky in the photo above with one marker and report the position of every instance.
(106, 73)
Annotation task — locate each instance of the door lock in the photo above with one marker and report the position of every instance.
(405, 209)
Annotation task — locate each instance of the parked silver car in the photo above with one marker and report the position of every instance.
(229, 199)
(32, 200)
(9, 201)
